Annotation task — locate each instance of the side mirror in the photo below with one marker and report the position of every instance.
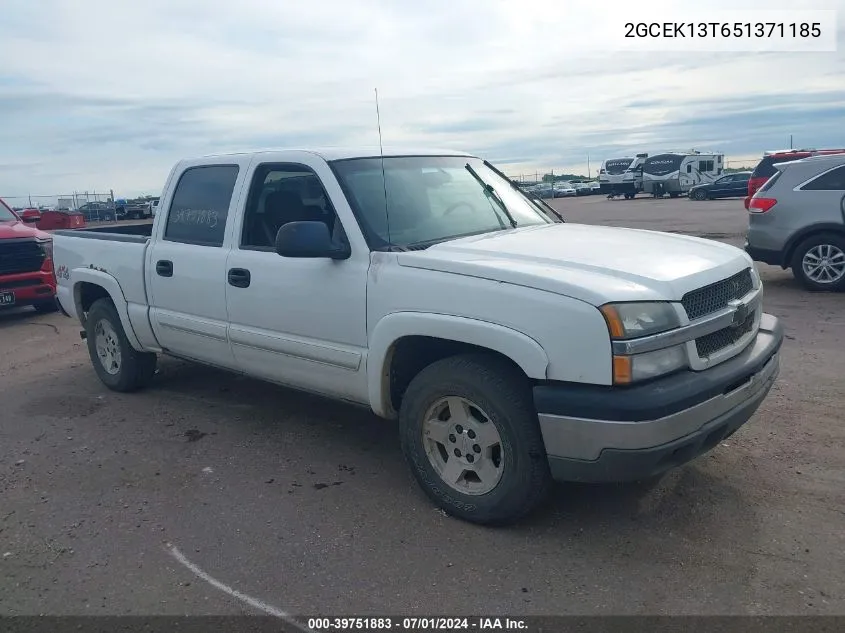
(30, 219)
(308, 239)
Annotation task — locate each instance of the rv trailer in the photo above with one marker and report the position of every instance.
(610, 175)
(676, 173)
(632, 179)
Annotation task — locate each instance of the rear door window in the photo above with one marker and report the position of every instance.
(200, 205)
(833, 180)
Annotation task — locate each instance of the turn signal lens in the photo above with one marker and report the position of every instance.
(622, 374)
(614, 321)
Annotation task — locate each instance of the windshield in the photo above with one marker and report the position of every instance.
(6, 214)
(430, 199)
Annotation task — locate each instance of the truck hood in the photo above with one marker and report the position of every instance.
(596, 264)
(12, 229)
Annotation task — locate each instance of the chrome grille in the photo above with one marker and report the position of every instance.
(719, 340)
(709, 299)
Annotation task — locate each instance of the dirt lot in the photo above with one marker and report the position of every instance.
(307, 506)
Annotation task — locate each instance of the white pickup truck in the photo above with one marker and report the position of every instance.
(512, 347)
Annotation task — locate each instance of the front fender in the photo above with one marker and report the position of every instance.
(110, 285)
(521, 349)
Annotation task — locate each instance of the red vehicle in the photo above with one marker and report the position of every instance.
(30, 215)
(26, 263)
(765, 169)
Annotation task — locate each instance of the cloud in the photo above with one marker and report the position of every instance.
(102, 95)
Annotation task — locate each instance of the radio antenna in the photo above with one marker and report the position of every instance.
(383, 177)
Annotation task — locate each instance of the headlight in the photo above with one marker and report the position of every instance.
(47, 248)
(632, 320)
(628, 369)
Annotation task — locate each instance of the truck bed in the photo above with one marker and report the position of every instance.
(112, 257)
(117, 233)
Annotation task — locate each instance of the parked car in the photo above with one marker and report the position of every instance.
(30, 215)
(26, 263)
(134, 210)
(765, 169)
(729, 186)
(595, 187)
(429, 289)
(153, 207)
(98, 211)
(797, 221)
(564, 190)
(545, 191)
(581, 188)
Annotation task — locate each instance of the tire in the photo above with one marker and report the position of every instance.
(131, 370)
(813, 248)
(674, 195)
(502, 395)
(45, 307)
(699, 194)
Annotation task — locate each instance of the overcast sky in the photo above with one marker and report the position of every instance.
(98, 94)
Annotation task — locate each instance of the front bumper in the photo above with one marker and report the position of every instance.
(29, 288)
(596, 433)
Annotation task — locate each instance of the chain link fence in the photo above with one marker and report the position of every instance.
(95, 206)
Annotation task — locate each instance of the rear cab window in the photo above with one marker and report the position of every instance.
(200, 205)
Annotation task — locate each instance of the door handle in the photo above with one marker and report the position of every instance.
(239, 277)
(164, 268)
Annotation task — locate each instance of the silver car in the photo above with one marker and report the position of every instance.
(797, 221)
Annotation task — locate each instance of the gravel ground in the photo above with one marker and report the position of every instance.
(306, 505)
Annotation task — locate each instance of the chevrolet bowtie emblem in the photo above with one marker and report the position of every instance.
(740, 312)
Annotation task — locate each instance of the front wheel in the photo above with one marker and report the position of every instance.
(699, 194)
(819, 262)
(472, 440)
(119, 366)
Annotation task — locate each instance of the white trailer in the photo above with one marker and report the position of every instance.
(611, 174)
(676, 173)
(632, 179)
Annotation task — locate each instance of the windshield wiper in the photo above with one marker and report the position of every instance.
(488, 189)
(539, 201)
(535, 201)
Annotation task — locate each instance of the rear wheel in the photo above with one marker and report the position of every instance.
(819, 262)
(472, 440)
(119, 366)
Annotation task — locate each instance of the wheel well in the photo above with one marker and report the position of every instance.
(796, 241)
(87, 294)
(411, 354)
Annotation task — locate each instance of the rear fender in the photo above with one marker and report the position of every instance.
(110, 285)
(807, 231)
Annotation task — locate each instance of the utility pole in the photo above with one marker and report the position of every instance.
(589, 173)
(790, 141)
